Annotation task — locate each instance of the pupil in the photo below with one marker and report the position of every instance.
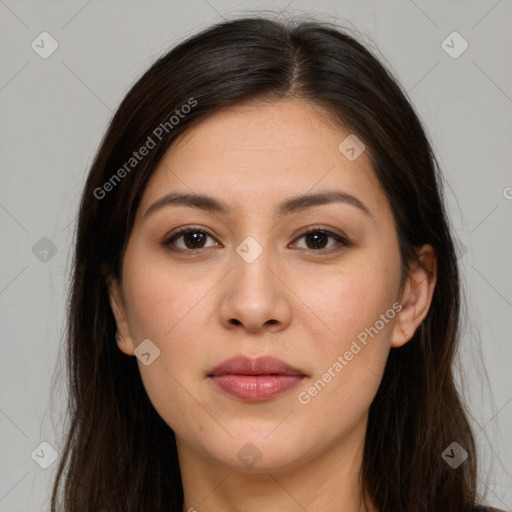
(196, 237)
(317, 238)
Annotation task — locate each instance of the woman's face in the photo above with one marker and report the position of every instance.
(246, 281)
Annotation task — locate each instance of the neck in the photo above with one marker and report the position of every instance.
(328, 481)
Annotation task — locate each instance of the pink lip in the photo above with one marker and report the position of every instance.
(255, 380)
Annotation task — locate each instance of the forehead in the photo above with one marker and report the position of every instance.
(263, 151)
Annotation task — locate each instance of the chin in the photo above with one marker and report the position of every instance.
(253, 452)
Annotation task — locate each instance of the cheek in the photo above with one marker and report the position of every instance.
(162, 307)
(160, 297)
(357, 308)
(352, 301)
(349, 363)
(167, 306)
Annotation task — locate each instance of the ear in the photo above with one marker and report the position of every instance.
(119, 310)
(416, 296)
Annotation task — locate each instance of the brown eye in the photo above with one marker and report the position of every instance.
(192, 239)
(318, 240)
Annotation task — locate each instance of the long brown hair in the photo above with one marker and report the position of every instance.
(119, 454)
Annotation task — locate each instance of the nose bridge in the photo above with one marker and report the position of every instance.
(253, 259)
(254, 296)
(255, 252)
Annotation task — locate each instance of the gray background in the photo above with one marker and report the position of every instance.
(54, 112)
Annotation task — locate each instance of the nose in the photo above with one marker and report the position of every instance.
(254, 296)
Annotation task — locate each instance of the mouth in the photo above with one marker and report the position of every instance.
(255, 380)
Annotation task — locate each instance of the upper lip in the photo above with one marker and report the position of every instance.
(242, 365)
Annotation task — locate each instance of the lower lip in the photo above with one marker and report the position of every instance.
(255, 388)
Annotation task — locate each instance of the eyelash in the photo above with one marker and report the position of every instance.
(342, 240)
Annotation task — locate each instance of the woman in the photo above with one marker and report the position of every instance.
(265, 299)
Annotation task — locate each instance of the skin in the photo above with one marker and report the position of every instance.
(292, 302)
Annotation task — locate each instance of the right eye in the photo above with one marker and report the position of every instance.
(192, 240)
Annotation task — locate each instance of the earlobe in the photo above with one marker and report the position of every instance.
(123, 335)
(417, 296)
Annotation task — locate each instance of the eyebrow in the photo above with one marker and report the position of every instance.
(286, 207)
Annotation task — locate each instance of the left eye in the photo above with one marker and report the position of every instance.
(315, 239)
